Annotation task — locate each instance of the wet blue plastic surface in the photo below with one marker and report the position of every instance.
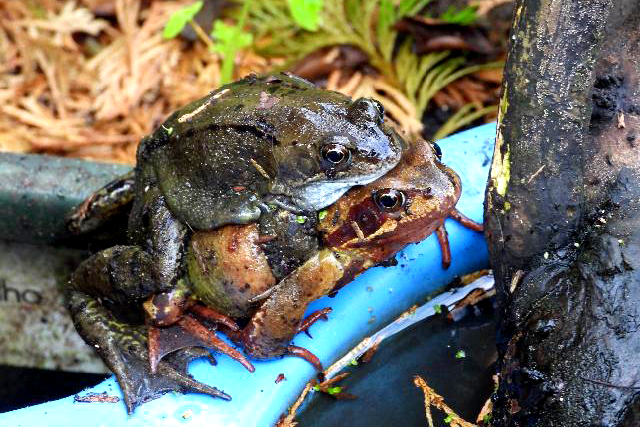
(366, 305)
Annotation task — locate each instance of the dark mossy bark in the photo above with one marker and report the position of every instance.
(562, 216)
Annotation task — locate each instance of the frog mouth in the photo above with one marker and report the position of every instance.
(318, 195)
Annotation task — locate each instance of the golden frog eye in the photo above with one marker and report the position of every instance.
(336, 154)
(389, 200)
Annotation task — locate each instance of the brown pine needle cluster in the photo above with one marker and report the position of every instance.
(73, 83)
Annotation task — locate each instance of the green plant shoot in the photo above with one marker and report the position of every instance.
(464, 16)
(179, 19)
(306, 13)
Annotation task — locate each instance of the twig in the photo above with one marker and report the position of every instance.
(535, 174)
(431, 398)
(289, 420)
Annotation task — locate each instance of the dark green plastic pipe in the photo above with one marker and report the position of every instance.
(37, 191)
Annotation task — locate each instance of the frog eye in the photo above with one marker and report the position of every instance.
(336, 154)
(437, 150)
(389, 200)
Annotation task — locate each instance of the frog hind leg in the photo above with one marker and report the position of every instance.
(122, 276)
(123, 347)
(109, 202)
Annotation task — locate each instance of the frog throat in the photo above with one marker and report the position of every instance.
(318, 195)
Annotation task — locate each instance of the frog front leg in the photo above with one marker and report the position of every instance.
(99, 208)
(280, 317)
(118, 277)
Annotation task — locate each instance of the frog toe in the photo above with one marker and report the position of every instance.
(210, 339)
(313, 318)
(294, 350)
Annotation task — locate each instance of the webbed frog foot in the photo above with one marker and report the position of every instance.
(123, 347)
(189, 331)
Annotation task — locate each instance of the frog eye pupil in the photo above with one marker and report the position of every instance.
(335, 153)
(389, 199)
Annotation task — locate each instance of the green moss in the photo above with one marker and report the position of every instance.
(501, 166)
(503, 177)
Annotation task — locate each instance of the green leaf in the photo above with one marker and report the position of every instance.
(179, 19)
(316, 387)
(405, 7)
(301, 219)
(460, 354)
(437, 308)
(448, 419)
(486, 419)
(322, 214)
(464, 16)
(353, 362)
(229, 38)
(386, 16)
(306, 13)
(334, 390)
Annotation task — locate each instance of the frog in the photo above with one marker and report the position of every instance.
(273, 139)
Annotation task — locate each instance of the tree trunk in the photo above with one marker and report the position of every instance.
(562, 216)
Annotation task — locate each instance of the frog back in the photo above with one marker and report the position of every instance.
(216, 158)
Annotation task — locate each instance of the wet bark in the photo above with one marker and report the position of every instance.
(562, 216)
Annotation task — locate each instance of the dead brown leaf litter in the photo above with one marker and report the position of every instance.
(74, 83)
(90, 78)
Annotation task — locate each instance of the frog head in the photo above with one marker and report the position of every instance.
(330, 145)
(404, 206)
